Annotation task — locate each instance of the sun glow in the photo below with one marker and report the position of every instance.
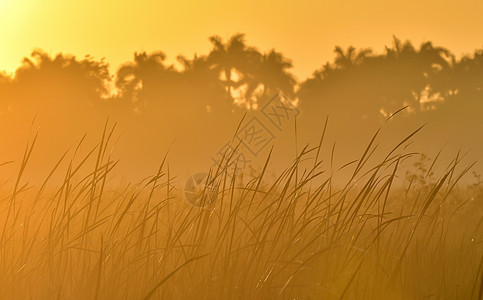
(15, 39)
(4, 5)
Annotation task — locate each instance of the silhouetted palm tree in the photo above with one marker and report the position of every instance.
(370, 85)
(232, 57)
(350, 57)
(461, 83)
(146, 79)
(270, 74)
(468, 74)
(201, 85)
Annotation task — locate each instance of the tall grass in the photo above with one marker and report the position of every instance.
(296, 236)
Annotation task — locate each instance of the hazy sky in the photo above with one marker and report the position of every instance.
(306, 30)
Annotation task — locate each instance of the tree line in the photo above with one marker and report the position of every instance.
(234, 76)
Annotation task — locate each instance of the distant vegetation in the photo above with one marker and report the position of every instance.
(362, 83)
(200, 101)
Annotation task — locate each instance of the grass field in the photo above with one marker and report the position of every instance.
(388, 233)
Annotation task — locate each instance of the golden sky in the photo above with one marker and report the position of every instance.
(306, 31)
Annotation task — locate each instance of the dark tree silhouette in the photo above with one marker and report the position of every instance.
(59, 82)
(147, 80)
(203, 88)
(270, 73)
(349, 58)
(357, 85)
(233, 59)
(461, 84)
(367, 85)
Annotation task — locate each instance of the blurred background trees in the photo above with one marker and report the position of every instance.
(359, 89)
(359, 83)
